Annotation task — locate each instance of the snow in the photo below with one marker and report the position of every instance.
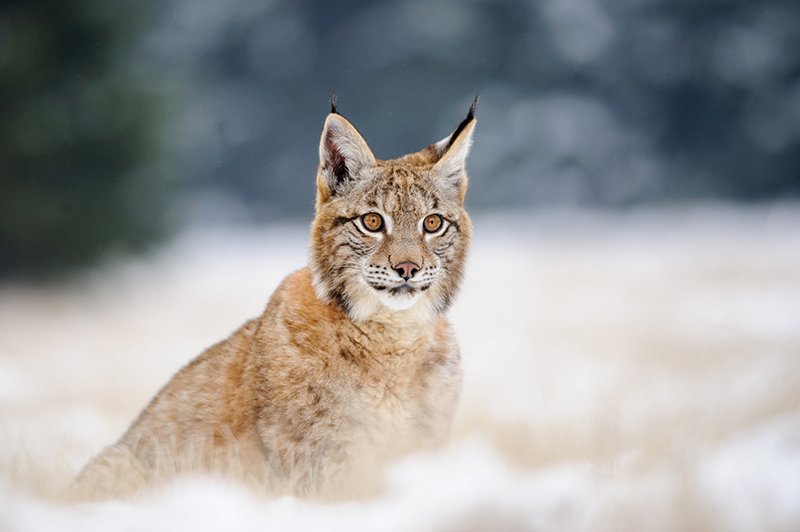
(623, 371)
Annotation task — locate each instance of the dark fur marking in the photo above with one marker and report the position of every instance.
(402, 289)
(338, 165)
(315, 396)
(359, 250)
(357, 245)
(333, 102)
(447, 230)
(340, 220)
(339, 297)
(464, 123)
(340, 245)
(455, 176)
(346, 354)
(440, 251)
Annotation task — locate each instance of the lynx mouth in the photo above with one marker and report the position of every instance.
(405, 289)
(402, 289)
(398, 297)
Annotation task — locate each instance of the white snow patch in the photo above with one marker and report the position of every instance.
(631, 371)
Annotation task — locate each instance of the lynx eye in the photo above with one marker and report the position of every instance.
(372, 221)
(432, 223)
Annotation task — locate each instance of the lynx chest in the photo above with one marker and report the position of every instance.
(400, 391)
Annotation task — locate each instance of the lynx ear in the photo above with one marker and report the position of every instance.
(343, 155)
(452, 152)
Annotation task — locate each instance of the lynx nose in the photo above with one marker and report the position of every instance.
(406, 270)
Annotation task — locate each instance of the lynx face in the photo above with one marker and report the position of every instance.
(390, 235)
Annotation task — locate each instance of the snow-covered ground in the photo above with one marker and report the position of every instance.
(636, 371)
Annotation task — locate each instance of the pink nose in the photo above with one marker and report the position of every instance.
(406, 270)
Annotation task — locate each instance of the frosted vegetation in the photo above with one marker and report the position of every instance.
(622, 372)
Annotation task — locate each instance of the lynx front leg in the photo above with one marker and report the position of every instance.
(115, 472)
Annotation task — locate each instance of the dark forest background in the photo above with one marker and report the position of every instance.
(122, 121)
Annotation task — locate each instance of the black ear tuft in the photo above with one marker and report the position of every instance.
(470, 117)
(333, 102)
(473, 107)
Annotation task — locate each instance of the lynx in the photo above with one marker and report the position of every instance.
(351, 363)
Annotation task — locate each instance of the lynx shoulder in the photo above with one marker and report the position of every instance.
(351, 363)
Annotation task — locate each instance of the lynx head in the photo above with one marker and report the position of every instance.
(390, 235)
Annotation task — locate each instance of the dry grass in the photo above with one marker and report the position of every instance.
(633, 371)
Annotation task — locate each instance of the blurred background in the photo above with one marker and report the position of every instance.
(630, 317)
(123, 121)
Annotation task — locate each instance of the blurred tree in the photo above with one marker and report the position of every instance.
(76, 135)
(597, 102)
(715, 86)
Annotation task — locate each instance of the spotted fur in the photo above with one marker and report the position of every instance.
(349, 365)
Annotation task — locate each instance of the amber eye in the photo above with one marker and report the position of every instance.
(372, 221)
(432, 223)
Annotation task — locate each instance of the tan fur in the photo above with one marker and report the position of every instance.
(334, 378)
